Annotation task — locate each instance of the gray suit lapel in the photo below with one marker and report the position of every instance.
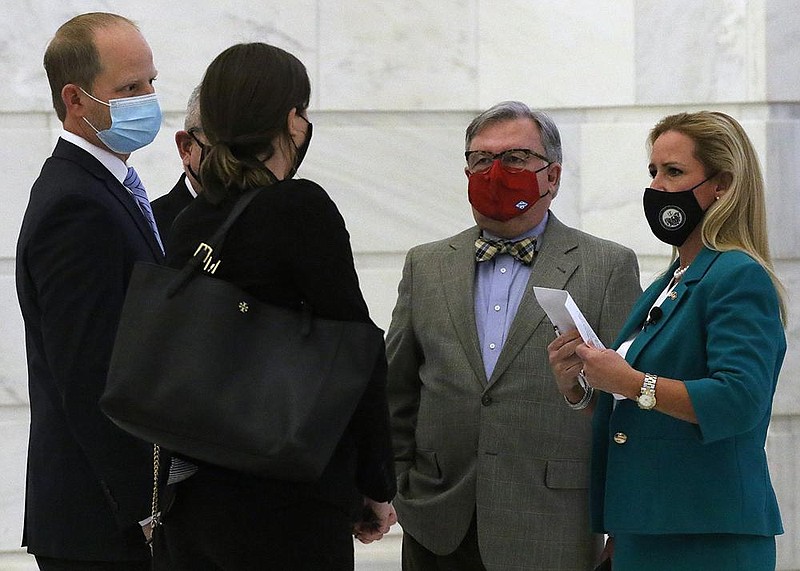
(459, 291)
(552, 268)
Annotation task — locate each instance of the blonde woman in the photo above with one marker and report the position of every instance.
(680, 476)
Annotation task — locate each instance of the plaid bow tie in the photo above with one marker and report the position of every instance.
(524, 250)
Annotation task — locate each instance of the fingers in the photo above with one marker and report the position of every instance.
(562, 356)
(377, 519)
(367, 535)
(585, 352)
(563, 340)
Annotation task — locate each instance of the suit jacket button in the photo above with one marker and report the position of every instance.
(486, 400)
(620, 438)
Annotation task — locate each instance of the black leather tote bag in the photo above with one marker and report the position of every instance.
(206, 370)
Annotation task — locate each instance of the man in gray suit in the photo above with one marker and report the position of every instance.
(492, 463)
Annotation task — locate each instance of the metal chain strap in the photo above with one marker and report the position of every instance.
(154, 512)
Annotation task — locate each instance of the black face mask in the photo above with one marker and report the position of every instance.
(672, 215)
(301, 150)
(202, 155)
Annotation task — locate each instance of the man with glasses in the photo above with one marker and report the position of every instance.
(492, 463)
(190, 142)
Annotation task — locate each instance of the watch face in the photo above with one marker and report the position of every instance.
(647, 401)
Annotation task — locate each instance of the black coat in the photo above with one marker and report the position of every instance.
(289, 247)
(166, 208)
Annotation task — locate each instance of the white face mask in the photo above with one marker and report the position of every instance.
(135, 122)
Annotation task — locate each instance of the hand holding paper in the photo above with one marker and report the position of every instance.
(564, 314)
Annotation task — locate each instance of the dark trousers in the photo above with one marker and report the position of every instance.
(466, 557)
(51, 564)
(224, 523)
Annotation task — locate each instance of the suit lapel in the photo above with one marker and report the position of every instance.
(640, 311)
(68, 151)
(553, 266)
(669, 306)
(459, 290)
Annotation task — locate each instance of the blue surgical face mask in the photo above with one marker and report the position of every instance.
(135, 122)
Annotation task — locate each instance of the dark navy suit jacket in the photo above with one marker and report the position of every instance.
(88, 482)
(166, 208)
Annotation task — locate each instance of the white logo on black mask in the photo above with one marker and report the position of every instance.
(672, 216)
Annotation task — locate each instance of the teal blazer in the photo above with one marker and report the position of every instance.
(721, 334)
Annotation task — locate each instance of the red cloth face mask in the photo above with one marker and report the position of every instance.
(502, 195)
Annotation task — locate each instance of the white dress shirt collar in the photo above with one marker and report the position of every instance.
(189, 187)
(112, 162)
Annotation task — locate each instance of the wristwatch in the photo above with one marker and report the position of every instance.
(647, 397)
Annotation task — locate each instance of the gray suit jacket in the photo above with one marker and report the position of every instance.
(507, 446)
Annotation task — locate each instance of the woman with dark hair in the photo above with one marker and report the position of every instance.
(289, 248)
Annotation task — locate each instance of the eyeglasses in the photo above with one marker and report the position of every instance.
(512, 160)
(192, 132)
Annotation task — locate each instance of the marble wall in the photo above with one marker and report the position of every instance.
(394, 85)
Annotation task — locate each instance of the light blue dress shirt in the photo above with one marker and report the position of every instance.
(499, 287)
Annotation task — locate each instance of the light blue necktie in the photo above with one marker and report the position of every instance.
(134, 184)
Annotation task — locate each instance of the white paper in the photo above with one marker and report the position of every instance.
(565, 315)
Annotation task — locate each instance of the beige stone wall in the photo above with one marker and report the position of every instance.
(394, 85)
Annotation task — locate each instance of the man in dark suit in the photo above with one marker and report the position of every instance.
(492, 464)
(190, 142)
(87, 222)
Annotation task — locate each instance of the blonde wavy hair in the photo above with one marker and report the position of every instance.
(738, 220)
